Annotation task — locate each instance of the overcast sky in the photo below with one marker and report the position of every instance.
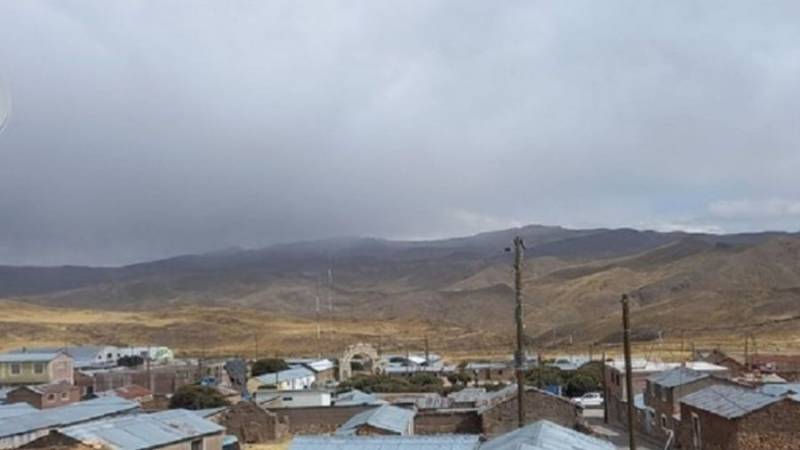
(149, 129)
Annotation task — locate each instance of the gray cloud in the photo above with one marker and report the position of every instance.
(148, 129)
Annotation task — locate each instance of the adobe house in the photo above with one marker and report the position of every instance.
(662, 398)
(252, 424)
(43, 396)
(498, 411)
(727, 417)
(383, 420)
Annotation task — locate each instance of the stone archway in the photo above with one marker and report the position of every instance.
(345, 371)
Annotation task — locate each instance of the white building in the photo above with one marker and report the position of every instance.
(293, 379)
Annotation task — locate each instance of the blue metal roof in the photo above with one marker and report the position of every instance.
(385, 417)
(28, 357)
(65, 415)
(16, 409)
(729, 401)
(676, 377)
(776, 390)
(285, 375)
(443, 442)
(546, 435)
(143, 431)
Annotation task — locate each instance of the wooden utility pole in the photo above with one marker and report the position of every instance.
(519, 356)
(605, 389)
(427, 352)
(626, 337)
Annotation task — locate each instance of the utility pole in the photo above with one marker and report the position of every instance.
(605, 390)
(519, 248)
(626, 336)
(255, 346)
(427, 352)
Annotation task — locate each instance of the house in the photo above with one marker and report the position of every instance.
(736, 367)
(383, 420)
(441, 442)
(498, 410)
(250, 423)
(292, 379)
(491, 372)
(16, 431)
(293, 399)
(43, 396)
(131, 392)
(727, 417)
(354, 397)
(35, 368)
(546, 435)
(175, 429)
(324, 369)
(662, 398)
(641, 369)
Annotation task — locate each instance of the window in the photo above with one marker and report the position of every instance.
(287, 399)
(51, 397)
(663, 421)
(38, 368)
(696, 437)
(197, 444)
(16, 369)
(64, 395)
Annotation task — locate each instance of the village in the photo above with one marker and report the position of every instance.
(132, 398)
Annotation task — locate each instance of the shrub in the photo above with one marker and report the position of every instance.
(193, 396)
(268, 365)
(130, 361)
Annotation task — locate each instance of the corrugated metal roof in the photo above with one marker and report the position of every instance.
(355, 397)
(16, 409)
(777, 390)
(285, 375)
(444, 442)
(385, 417)
(676, 377)
(546, 435)
(28, 357)
(144, 431)
(65, 415)
(729, 401)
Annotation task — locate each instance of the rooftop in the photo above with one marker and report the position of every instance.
(29, 357)
(648, 366)
(546, 435)
(65, 415)
(16, 409)
(676, 377)
(385, 417)
(143, 431)
(355, 397)
(443, 442)
(285, 375)
(729, 401)
(52, 388)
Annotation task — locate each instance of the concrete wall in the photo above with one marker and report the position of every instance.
(317, 420)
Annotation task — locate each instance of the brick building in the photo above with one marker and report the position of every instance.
(499, 412)
(726, 417)
(662, 398)
(43, 396)
(616, 395)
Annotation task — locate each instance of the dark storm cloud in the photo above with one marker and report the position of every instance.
(147, 129)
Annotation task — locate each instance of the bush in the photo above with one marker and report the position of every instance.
(268, 365)
(544, 376)
(193, 396)
(460, 378)
(420, 382)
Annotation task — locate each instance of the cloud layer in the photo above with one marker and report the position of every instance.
(148, 129)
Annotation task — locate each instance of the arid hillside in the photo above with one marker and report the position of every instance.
(458, 290)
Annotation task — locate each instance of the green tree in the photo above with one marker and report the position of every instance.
(268, 365)
(581, 383)
(460, 378)
(193, 396)
(544, 376)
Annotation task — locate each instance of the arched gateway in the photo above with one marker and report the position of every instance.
(360, 349)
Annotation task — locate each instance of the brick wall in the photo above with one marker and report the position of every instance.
(776, 427)
(502, 417)
(317, 420)
(252, 424)
(447, 422)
